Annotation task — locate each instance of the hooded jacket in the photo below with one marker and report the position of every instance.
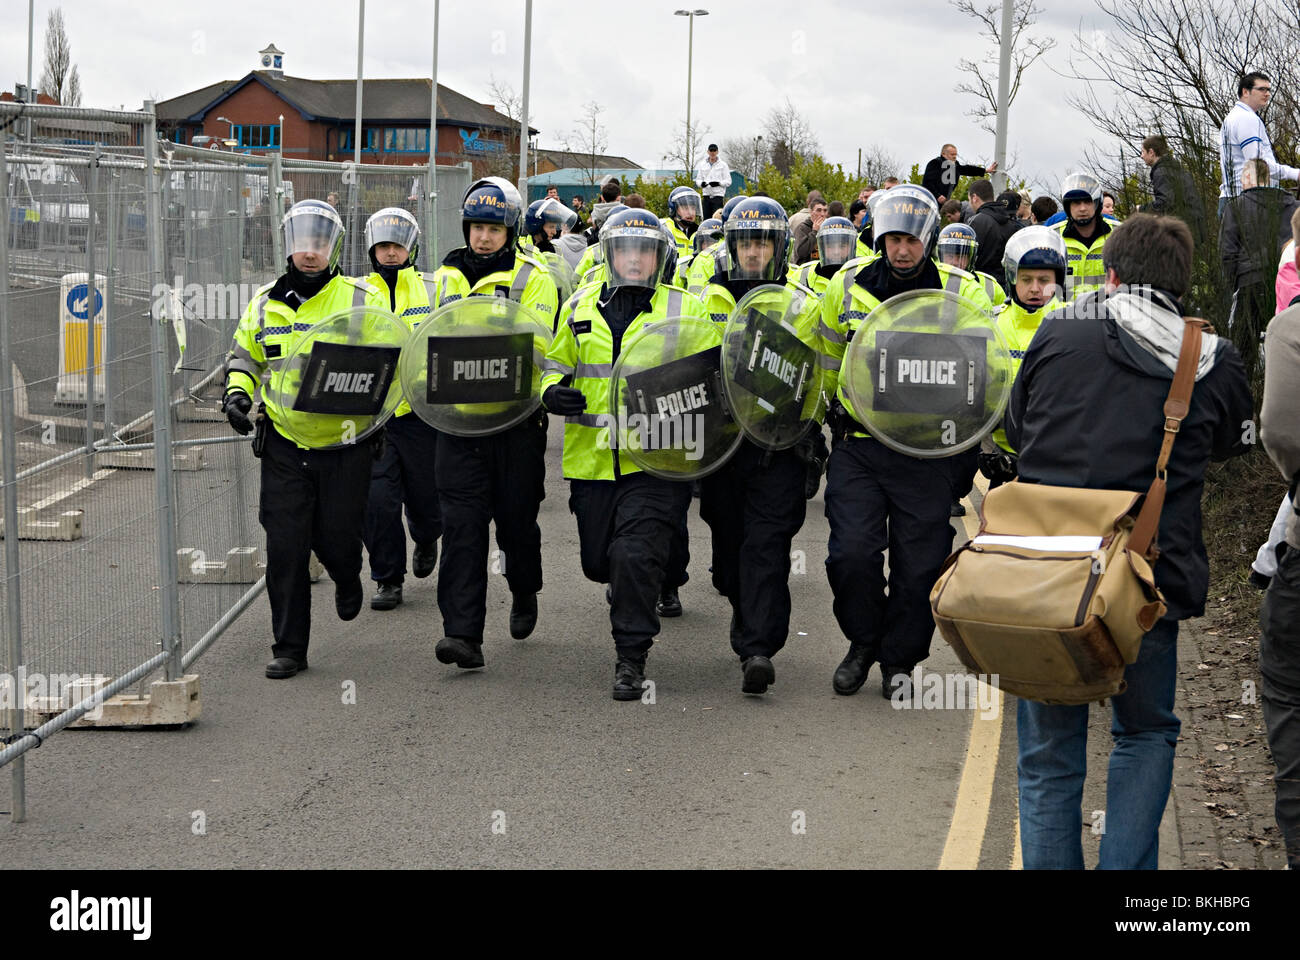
(1087, 410)
(993, 225)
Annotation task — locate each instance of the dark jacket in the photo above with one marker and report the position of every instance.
(993, 225)
(1256, 226)
(933, 179)
(1087, 410)
(1174, 194)
(805, 241)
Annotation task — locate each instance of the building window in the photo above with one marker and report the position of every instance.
(367, 139)
(256, 135)
(406, 140)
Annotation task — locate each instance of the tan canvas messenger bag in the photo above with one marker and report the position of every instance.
(1055, 592)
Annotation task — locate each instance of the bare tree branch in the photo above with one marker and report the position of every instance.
(59, 77)
(1025, 50)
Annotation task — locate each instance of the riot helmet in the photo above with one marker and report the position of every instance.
(754, 221)
(670, 255)
(709, 233)
(957, 246)
(548, 212)
(682, 200)
(908, 210)
(313, 226)
(1035, 247)
(837, 240)
(634, 248)
(393, 225)
(1081, 186)
(729, 206)
(492, 200)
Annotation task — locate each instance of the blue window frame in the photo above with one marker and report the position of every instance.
(406, 140)
(368, 140)
(258, 136)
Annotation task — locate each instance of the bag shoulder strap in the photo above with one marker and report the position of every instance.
(1176, 406)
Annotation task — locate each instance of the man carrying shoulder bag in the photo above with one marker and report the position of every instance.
(1091, 408)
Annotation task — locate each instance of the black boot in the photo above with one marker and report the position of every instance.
(896, 679)
(348, 598)
(424, 559)
(852, 672)
(629, 675)
(669, 604)
(523, 615)
(464, 653)
(388, 596)
(759, 674)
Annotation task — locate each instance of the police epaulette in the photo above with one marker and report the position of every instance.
(521, 255)
(365, 285)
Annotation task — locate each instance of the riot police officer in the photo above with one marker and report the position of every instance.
(404, 472)
(837, 241)
(626, 516)
(757, 502)
(957, 247)
(1084, 231)
(684, 209)
(711, 259)
(311, 499)
(497, 478)
(878, 498)
(1035, 264)
(709, 233)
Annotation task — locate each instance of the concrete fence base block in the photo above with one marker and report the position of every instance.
(67, 526)
(189, 460)
(167, 704)
(242, 565)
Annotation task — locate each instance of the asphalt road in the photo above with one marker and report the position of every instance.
(528, 762)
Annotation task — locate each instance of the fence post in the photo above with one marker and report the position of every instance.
(168, 570)
(9, 467)
(110, 289)
(276, 192)
(92, 288)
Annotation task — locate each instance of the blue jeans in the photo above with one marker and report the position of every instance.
(1053, 761)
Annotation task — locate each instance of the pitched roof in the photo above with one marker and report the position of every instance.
(335, 100)
(564, 159)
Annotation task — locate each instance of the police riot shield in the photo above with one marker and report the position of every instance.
(770, 372)
(337, 383)
(474, 367)
(566, 281)
(928, 373)
(667, 408)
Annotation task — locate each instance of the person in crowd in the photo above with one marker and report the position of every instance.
(312, 498)
(713, 177)
(1279, 616)
(627, 518)
(805, 241)
(943, 173)
(1085, 232)
(1042, 210)
(1243, 137)
(1087, 409)
(993, 224)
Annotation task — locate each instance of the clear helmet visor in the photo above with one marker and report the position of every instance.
(705, 237)
(755, 249)
(836, 248)
(634, 258)
(687, 206)
(314, 230)
(957, 251)
(392, 226)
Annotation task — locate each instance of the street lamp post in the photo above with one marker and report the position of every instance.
(690, 63)
(757, 170)
(230, 134)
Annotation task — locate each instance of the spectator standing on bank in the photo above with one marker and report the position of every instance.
(713, 177)
(943, 173)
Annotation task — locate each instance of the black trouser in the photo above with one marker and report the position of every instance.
(712, 205)
(499, 478)
(965, 465)
(754, 506)
(877, 498)
(679, 554)
(1279, 669)
(625, 530)
(311, 500)
(403, 474)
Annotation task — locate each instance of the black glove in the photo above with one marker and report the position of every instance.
(813, 452)
(715, 183)
(565, 401)
(236, 406)
(998, 466)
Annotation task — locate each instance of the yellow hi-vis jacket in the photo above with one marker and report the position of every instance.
(528, 283)
(1084, 269)
(846, 305)
(269, 328)
(1018, 326)
(583, 354)
(412, 297)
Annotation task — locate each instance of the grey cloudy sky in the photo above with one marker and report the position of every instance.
(863, 72)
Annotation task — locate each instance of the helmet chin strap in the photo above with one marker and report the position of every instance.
(907, 274)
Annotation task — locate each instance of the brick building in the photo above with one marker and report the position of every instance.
(319, 118)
